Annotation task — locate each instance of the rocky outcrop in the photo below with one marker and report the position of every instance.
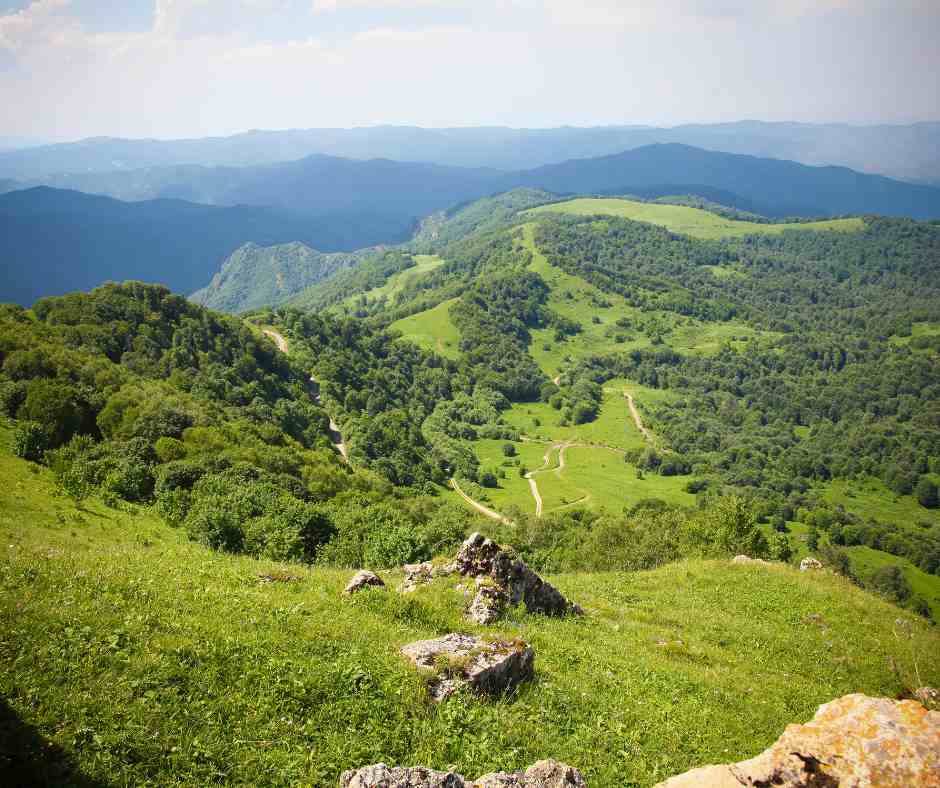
(363, 579)
(544, 774)
(746, 559)
(852, 741)
(417, 575)
(486, 667)
(503, 580)
(810, 563)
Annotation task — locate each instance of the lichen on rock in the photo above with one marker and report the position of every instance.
(486, 667)
(852, 741)
(503, 581)
(543, 774)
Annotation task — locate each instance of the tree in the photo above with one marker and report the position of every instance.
(509, 450)
(927, 493)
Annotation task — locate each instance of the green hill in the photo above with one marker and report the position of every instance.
(132, 655)
(254, 276)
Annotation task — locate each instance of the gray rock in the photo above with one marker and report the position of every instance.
(746, 559)
(852, 741)
(544, 774)
(810, 563)
(506, 581)
(363, 579)
(416, 575)
(486, 667)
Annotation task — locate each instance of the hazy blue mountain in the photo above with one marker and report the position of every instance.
(909, 151)
(255, 276)
(399, 192)
(54, 241)
(768, 186)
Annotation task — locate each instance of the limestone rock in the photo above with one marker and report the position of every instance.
(810, 563)
(363, 579)
(421, 574)
(746, 559)
(544, 774)
(487, 667)
(506, 581)
(381, 776)
(416, 575)
(852, 741)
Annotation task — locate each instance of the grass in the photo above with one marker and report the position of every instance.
(424, 263)
(130, 656)
(865, 561)
(870, 497)
(682, 219)
(432, 330)
(578, 300)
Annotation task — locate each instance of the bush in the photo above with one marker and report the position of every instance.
(30, 440)
(509, 450)
(926, 493)
(488, 479)
(169, 449)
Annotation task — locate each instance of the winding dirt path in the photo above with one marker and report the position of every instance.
(479, 506)
(647, 435)
(335, 434)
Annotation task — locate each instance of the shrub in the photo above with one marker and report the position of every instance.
(509, 450)
(30, 440)
(169, 449)
(926, 493)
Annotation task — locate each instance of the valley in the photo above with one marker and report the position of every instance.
(673, 461)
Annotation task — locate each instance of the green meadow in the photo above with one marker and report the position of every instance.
(424, 263)
(432, 330)
(685, 220)
(132, 656)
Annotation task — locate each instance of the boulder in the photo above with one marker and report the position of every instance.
(503, 580)
(746, 559)
(486, 667)
(852, 741)
(544, 774)
(421, 574)
(416, 575)
(363, 579)
(810, 563)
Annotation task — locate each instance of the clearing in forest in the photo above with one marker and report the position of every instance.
(683, 219)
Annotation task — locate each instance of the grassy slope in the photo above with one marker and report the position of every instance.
(424, 263)
(682, 219)
(871, 497)
(432, 330)
(572, 297)
(153, 660)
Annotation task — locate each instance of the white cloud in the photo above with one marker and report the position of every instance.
(203, 69)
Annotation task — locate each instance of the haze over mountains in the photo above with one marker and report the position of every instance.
(56, 240)
(908, 152)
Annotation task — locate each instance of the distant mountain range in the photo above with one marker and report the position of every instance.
(911, 152)
(52, 241)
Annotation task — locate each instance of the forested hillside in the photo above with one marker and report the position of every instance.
(798, 369)
(255, 276)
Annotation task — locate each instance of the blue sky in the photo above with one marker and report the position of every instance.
(170, 68)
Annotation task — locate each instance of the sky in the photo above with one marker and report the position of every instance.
(189, 68)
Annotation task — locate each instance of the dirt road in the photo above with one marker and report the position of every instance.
(637, 420)
(477, 505)
(335, 435)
